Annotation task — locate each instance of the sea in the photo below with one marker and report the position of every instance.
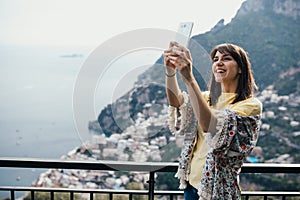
(36, 101)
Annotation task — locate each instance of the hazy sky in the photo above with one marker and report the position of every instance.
(90, 22)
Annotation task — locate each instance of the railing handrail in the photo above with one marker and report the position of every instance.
(106, 165)
(133, 166)
(165, 192)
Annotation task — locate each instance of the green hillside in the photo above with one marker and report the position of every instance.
(272, 41)
(270, 38)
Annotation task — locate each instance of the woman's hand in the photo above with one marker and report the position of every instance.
(179, 57)
(170, 67)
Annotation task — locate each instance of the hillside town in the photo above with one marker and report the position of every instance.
(148, 140)
(131, 145)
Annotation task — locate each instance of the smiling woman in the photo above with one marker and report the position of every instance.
(220, 126)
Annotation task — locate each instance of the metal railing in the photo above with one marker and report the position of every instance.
(150, 167)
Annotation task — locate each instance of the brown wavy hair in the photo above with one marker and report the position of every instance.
(246, 82)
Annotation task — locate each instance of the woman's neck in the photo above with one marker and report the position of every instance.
(229, 88)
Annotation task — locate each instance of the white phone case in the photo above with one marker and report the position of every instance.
(183, 33)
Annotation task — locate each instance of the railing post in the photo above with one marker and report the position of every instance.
(12, 195)
(71, 195)
(52, 195)
(91, 196)
(151, 183)
(32, 194)
(283, 197)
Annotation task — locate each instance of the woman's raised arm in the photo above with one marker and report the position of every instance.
(179, 57)
(174, 95)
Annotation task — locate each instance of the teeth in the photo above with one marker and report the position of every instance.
(220, 71)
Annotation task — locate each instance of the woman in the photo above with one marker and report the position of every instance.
(220, 126)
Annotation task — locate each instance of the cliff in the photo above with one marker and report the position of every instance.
(268, 30)
(146, 99)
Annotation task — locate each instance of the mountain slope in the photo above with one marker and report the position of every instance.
(268, 30)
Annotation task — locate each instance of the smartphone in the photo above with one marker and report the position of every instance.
(184, 33)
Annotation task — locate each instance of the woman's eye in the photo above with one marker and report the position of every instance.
(227, 58)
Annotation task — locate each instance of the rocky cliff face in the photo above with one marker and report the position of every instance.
(250, 6)
(143, 100)
(290, 8)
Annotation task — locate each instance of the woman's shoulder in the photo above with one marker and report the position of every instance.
(249, 106)
(253, 101)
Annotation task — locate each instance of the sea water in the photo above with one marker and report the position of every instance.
(36, 120)
(36, 91)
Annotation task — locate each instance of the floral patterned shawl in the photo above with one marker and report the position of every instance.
(234, 139)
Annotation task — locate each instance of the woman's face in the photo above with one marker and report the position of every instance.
(225, 68)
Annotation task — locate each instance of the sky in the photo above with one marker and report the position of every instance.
(90, 22)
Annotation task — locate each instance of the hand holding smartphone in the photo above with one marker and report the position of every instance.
(182, 37)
